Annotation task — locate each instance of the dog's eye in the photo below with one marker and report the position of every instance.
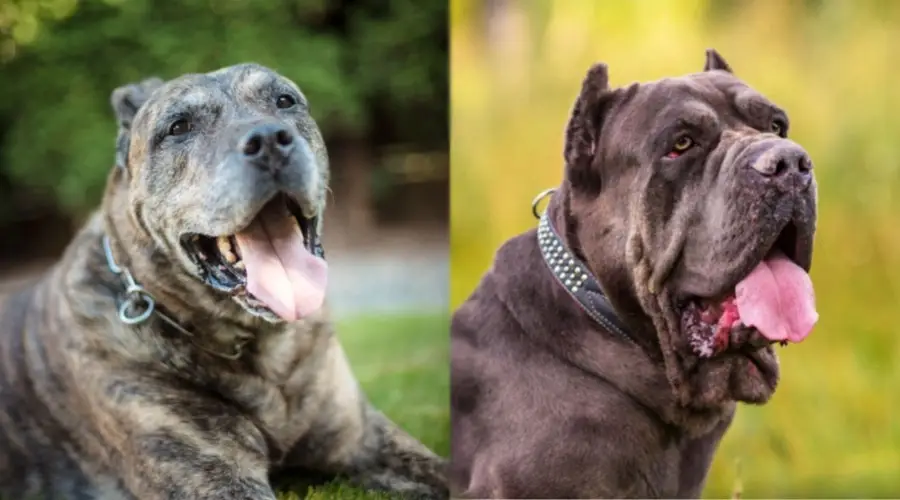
(682, 144)
(180, 127)
(285, 101)
(779, 128)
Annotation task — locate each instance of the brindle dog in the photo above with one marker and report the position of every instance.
(234, 372)
(694, 213)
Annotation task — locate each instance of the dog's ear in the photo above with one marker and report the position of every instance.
(126, 101)
(715, 61)
(583, 129)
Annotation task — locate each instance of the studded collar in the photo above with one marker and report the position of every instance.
(573, 275)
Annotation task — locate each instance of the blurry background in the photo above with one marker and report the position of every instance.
(375, 72)
(516, 68)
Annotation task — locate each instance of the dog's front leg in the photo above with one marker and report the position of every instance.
(371, 452)
(165, 456)
(392, 460)
(162, 466)
(349, 438)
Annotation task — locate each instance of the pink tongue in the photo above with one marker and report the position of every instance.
(777, 298)
(281, 272)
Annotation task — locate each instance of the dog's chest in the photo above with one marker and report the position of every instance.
(283, 417)
(294, 388)
(283, 409)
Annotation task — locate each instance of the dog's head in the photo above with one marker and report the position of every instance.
(688, 194)
(226, 174)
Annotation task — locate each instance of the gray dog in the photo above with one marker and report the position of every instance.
(603, 353)
(180, 348)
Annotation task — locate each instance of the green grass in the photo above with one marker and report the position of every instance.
(402, 363)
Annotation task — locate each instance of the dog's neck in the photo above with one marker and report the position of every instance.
(216, 323)
(702, 388)
(554, 321)
(615, 283)
(577, 280)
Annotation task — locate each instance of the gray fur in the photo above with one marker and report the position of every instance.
(546, 402)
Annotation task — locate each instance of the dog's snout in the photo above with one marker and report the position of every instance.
(267, 142)
(784, 159)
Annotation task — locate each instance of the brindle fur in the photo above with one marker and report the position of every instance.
(93, 408)
(545, 402)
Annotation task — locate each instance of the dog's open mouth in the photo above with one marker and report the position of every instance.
(773, 303)
(272, 265)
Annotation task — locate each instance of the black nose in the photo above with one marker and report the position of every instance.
(266, 143)
(784, 159)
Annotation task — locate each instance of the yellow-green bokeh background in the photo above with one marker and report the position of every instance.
(830, 430)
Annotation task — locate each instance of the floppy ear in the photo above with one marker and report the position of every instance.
(715, 61)
(583, 129)
(126, 101)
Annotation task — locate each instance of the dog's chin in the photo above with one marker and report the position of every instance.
(217, 261)
(749, 376)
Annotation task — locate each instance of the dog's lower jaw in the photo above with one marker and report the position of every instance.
(707, 384)
(700, 386)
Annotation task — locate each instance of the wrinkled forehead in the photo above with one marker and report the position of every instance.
(243, 85)
(247, 81)
(708, 99)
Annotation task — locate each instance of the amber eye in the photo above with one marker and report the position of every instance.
(285, 101)
(180, 127)
(682, 144)
(778, 128)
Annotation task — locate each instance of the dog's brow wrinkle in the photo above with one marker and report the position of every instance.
(195, 98)
(254, 79)
(699, 111)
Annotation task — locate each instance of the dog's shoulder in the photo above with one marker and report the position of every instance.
(486, 317)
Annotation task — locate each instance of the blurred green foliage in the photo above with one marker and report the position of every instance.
(516, 67)
(371, 68)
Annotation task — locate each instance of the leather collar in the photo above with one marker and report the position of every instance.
(574, 276)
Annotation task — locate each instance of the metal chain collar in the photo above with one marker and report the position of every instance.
(138, 305)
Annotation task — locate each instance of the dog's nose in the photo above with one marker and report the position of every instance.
(785, 159)
(267, 142)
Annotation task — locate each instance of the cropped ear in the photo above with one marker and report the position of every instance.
(714, 61)
(583, 128)
(126, 101)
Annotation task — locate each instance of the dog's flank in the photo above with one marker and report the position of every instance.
(93, 407)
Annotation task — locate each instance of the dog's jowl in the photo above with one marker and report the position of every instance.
(180, 348)
(604, 352)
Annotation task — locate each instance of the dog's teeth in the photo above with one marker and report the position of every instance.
(235, 248)
(224, 245)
